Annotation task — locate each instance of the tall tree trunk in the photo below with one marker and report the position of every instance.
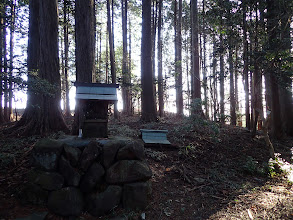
(251, 63)
(160, 62)
(107, 60)
(5, 65)
(178, 57)
(236, 83)
(286, 88)
(129, 67)
(215, 87)
(10, 92)
(232, 90)
(85, 47)
(85, 40)
(112, 52)
(245, 66)
(1, 63)
(43, 113)
(257, 81)
(126, 80)
(205, 79)
(196, 88)
(66, 52)
(272, 23)
(154, 32)
(222, 79)
(147, 97)
(52, 119)
(99, 55)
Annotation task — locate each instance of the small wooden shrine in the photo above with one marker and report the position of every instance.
(93, 100)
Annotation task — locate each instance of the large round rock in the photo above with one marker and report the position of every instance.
(89, 154)
(66, 202)
(136, 196)
(50, 180)
(128, 171)
(134, 150)
(102, 203)
(72, 154)
(46, 154)
(71, 175)
(92, 177)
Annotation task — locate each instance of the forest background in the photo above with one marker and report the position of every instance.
(231, 58)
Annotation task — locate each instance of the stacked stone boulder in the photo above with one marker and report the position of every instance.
(74, 175)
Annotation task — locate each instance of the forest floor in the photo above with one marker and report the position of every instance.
(209, 172)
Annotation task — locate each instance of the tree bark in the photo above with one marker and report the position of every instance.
(205, 79)
(232, 90)
(236, 84)
(126, 80)
(286, 87)
(215, 79)
(272, 23)
(196, 90)
(66, 52)
(245, 66)
(160, 62)
(112, 52)
(147, 97)
(154, 31)
(43, 114)
(12, 29)
(178, 57)
(85, 40)
(129, 66)
(85, 47)
(1, 64)
(222, 79)
(5, 83)
(257, 82)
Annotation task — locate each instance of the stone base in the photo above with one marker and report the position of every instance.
(96, 178)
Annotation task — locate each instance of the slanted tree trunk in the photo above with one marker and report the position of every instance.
(147, 96)
(160, 62)
(43, 114)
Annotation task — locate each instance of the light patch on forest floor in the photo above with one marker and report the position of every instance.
(268, 202)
